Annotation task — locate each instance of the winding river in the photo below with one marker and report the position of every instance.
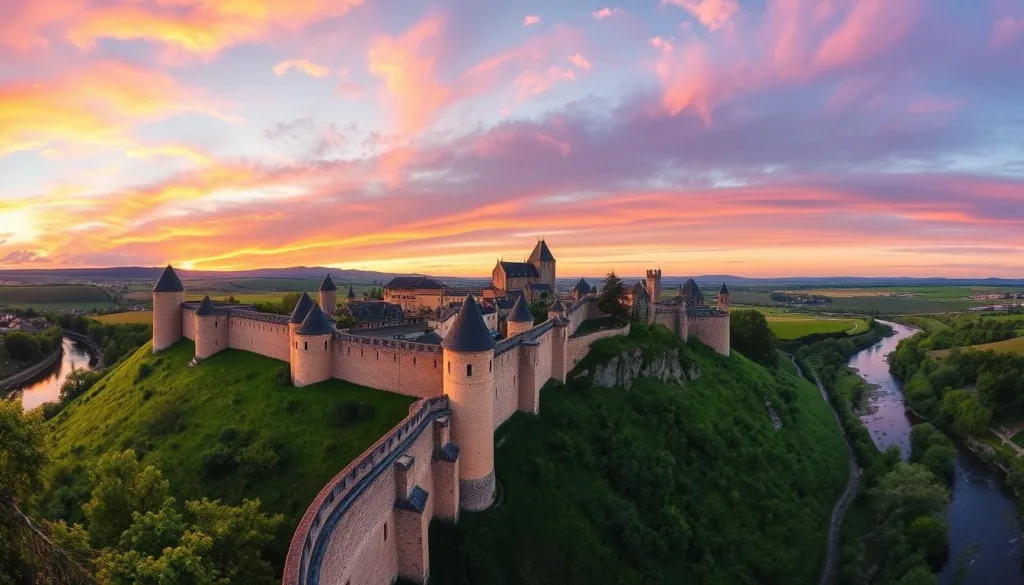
(47, 387)
(984, 531)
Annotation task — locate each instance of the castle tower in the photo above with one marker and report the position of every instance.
(556, 310)
(723, 298)
(168, 295)
(542, 258)
(311, 349)
(469, 383)
(520, 318)
(211, 330)
(299, 314)
(351, 296)
(654, 285)
(328, 295)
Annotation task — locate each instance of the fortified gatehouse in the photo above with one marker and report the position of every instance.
(369, 524)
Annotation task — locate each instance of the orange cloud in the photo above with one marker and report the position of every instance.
(713, 14)
(305, 66)
(97, 105)
(409, 75)
(531, 20)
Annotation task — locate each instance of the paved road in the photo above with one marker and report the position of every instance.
(828, 573)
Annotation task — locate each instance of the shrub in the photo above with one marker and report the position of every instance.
(257, 460)
(283, 375)
(218, 462)
(168, 419)
(144, 371)
(350, 413)
(51, 409)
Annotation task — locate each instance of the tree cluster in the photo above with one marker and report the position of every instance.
(31, 347)
(750, 335)
(613, 297)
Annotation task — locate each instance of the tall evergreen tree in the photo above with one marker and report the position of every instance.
(612, 299)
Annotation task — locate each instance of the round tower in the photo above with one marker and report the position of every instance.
(298, 315)
(723, 298)
(328, 295)
(468, 352)
(168, 295)
(520, 319)
(208, 326)
(311, 349)
(556, 310)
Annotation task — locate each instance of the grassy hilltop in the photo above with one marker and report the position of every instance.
(223, 429)
(661, 484)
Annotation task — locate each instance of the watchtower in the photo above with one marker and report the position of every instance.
(168, 296)
(654, 285)
(311, 349)
(328, 295)
(544, 260)
(520, 318)
(468, 353)
(723, 298)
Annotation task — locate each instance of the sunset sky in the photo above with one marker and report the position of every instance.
(751, 137)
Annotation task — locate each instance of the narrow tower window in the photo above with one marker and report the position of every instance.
(305, 345)
(385, 532)
(469, 369)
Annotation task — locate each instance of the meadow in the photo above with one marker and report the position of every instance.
(792, 326)
(1014, 346)
(251, 290)
(881, 300)
(126, 318)
(54, 296)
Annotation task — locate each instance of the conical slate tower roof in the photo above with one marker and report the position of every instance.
(541, 253)
(583, 286)
(691, 291)
(316, 323)
(558, 306)
(328, 284)
(351, 293)
(169, 282)
(301, 309)
(724, 290)
(469, 332)
(520, 312)
(205, 307)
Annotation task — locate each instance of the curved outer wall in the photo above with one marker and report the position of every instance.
(329, 301)
(471, 399)
(311, 361)
(167, 319)
(517, 327)
(211, 334)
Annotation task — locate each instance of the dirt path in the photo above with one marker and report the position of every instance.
(828, 573)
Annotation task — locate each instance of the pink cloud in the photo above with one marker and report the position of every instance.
(579, 61)
(304, 65)
(606, 13)
(531, 20)
(1006, 30)
(869, 29)
(713, 14)
(532, 84)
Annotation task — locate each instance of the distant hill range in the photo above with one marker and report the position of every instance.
(707, 281)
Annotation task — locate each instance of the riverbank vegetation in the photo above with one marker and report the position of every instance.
(896, 527)
(666, 483)
(224, 429)
(23, 349)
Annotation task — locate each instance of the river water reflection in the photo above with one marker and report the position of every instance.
(47, 388)
(984, 531)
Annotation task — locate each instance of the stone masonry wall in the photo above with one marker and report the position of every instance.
(404, 371)
(506, 385)
(578, 347)
(713, 331)
(266, 339)
(188, 324)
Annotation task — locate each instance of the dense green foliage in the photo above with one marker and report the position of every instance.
(31, 347)
(900, 513)
(666, 483)
(119, 341)
(752, 337)
(21, 463)
(224, 429)
(973, 333)
(612, 298)
(285, 306)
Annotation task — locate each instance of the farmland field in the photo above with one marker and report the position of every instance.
(126, 318)
(252, 290)
(1015, 345)
(788, 327)
(882, 300)
(54, 297)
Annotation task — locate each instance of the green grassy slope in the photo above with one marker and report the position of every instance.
(662, 484)
(176, 414)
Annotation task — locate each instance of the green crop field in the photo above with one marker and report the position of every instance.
(793, 326)
(883, 300)
(54, 297)
(1015, 345)
(178, 417)
(126, 318)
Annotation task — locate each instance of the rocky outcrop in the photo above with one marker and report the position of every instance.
(623, 369)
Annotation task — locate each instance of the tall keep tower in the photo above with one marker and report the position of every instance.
(654, 285)
(469, 383)
(542, 258)
(168, 295)
(723, 298)
(311, 349)
(328, 295)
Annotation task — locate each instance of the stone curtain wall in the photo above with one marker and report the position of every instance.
(368, 524)
(578, 347)
(402, 367)
(188, 323)
(713, 331)
(259, 333)
(506, 385)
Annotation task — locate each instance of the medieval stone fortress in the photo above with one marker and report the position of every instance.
(472, 365)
